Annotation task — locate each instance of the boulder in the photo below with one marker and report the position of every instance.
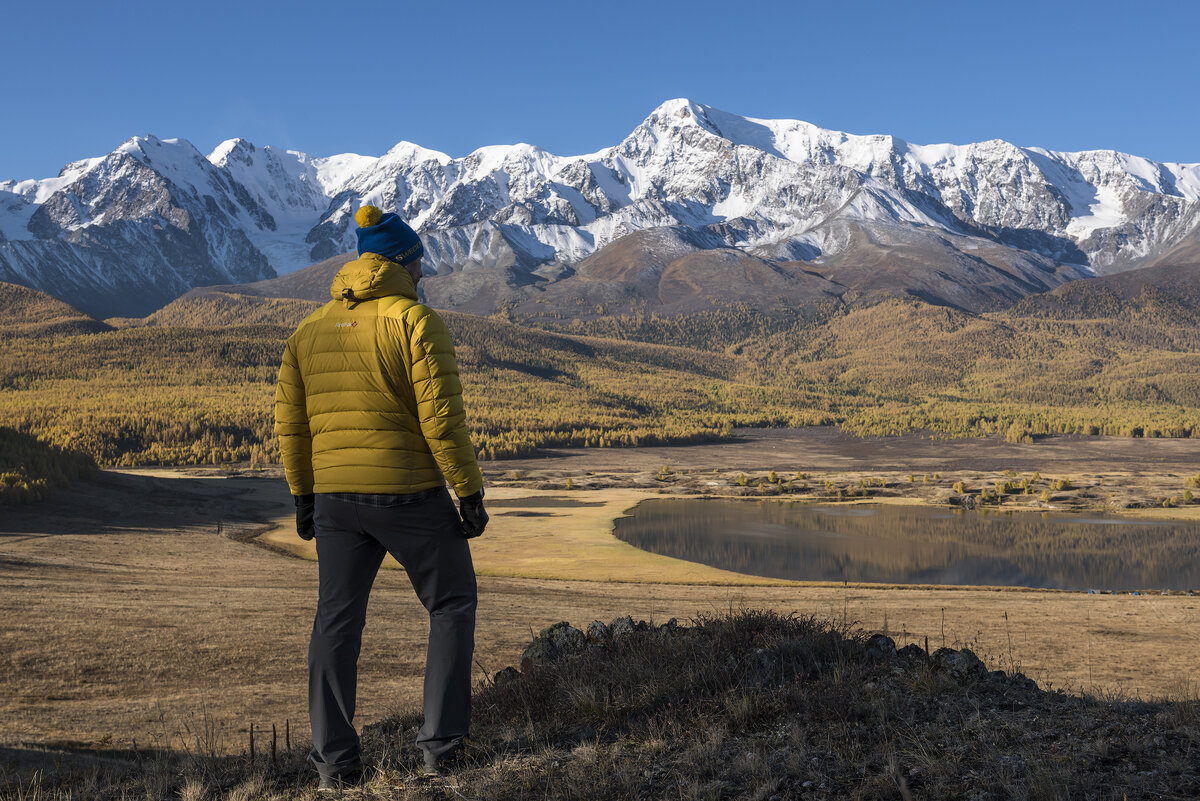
(552, 642)
(622, 626)
(598, 631)
(506, 676)
(880, 648)
(961, 665)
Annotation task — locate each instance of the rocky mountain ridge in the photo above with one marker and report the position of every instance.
(815, 212)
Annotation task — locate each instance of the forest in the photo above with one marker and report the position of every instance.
(194, 383)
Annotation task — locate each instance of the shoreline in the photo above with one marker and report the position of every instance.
(110, 582)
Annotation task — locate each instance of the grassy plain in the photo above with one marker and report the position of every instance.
(135, 607)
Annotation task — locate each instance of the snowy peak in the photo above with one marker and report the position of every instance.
(760, 186)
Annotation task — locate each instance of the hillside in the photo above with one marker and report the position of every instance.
(28, 312)
(308, 283)
(745, 705)
(1118, 355)
(176, 394)
(213, 309)
(31, 469)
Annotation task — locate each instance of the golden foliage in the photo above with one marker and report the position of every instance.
(31, 469)
(172, 394)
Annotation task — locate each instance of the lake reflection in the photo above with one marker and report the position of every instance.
(919, 545)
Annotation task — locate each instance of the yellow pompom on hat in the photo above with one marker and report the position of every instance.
(387, 235)
(368, 216)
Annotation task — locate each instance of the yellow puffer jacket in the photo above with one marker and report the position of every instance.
(369, 398)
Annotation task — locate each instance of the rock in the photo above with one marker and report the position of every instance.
(552, 642)
(1021, 680)
(598, 631)
(912, 651)
(506, 676)
(564, 637)
(622, 626)
(959, 664)
(880, 648)
(537, 652)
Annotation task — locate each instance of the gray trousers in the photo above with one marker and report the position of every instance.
(352, 538)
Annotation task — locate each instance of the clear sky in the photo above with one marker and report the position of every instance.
(573, 77)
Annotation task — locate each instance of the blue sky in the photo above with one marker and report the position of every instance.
(573, 77)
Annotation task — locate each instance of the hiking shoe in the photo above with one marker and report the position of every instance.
(336, 784)
(445, 764)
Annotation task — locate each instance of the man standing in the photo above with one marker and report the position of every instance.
(371, 427)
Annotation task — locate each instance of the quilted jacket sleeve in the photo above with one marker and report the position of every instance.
(291, 425)
(440, 405)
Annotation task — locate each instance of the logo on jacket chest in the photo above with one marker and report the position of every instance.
(351, 324)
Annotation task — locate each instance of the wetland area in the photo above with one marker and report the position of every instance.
(168, 606)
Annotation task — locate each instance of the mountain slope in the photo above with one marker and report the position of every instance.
(976, 226)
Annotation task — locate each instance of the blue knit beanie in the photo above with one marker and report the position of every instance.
(387, 235)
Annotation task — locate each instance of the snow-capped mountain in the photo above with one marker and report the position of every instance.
(139, 226)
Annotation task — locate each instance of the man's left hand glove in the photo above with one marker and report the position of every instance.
(474, 518)
(304, 515)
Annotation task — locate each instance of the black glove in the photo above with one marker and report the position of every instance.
(304, 515)
(474, 519)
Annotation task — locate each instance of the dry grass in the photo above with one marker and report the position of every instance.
(126, 617)
(753, 705)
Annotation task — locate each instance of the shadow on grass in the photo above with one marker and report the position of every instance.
(745, 705)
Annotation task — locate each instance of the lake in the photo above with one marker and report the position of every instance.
(919, 544)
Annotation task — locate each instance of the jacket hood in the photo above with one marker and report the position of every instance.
(372, 276)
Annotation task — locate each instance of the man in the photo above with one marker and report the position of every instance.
(370, 421)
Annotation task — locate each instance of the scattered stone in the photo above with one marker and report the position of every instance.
(880, 648)
(1021, 680)
(622, 627)
(537, 652)
(912, 651)
(598, 631)
(506, 676)
(960, 664)
(565, 637)
(552, 642)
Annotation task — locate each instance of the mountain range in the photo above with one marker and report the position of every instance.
(696, 207)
